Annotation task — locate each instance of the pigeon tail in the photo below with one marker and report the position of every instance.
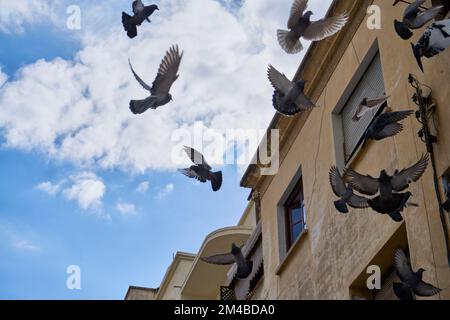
(289, 42)
(402, 291)
(216, 180)
(402, 30)
(418, 56)
(341, 206)
(140, 106)
(396, 216)
(128, 25)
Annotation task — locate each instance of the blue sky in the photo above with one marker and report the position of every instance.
(72, 157)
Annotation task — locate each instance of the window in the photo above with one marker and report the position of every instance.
(370, 86)
(295, 215)
(367, 82)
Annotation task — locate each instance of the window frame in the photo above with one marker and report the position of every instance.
(336, 116)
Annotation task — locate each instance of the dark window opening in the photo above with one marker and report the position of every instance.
(295, 215)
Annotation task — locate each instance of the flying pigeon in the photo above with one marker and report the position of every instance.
(393, 206)
(141, 14)
(415, 18)
(345, 193)
(367, 105)
(289, 97)
(300, 26)
(386, 125)
(201, 170)
(167, 75)
(411, 282)
(387, 184)
(244, 267)
(434, 40)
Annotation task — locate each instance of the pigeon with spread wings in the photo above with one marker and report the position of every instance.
(301, 26)
(386, 184)
(289, 97)
(244, 267)
(201, 170)
(415, 18)
(347, 197)
(160, 90)
(386, 125)
(141, 13)
(367, 105)
(411, 282)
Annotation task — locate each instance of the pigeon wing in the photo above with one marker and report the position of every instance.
(365, 184)
(401, 180)
(191, 174)
(220, 259)
(376, 102)
(278, 80)
(324, 28)
(426, 16)
(358, 202)
(141, 82)
(167, 73)
(297, 9)
(389, 130)
(413, 8)
(424, 289)
(403, 266)
(197, 158)
(392, 117)
(135, 8)
(336, 181)
(304, 102)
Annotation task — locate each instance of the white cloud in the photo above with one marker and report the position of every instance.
(126, 209)
(15, 14)
(87, 190)
(80, 108)
(49, 187)
(164, 192)
(24, 245)
(143, 187)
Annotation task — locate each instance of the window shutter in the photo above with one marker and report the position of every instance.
(371, 86)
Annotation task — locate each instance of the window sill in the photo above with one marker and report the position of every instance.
(291, 252)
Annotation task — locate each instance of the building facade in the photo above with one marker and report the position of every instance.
(307, 249)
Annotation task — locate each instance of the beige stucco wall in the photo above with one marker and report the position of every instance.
(175, 278)
(337, 248)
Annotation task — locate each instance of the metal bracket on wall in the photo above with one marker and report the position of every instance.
(426, 110)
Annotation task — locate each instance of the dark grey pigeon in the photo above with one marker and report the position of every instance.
(301, 26)
(386, 125)
(141, 13)
(434, 41)
(289, 97)
(393, 206)
(201, 171)
(345, 193)
(244, 267)
(386, 184)
(415, 18)
(411, 282)
(160, 90)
